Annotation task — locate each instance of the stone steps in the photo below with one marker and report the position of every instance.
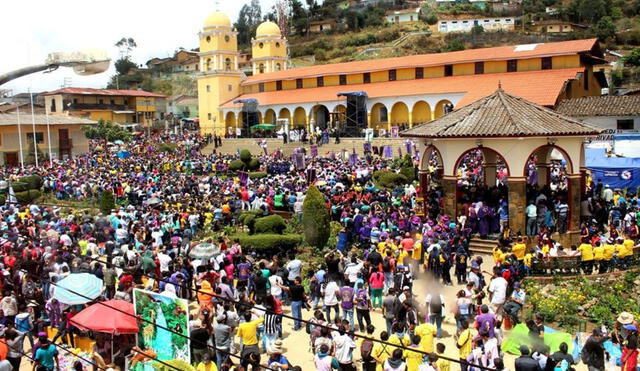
(480, 246)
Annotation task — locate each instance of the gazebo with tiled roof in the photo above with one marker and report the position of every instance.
(513, 129)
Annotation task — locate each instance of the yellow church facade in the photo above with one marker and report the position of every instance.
(401, 91)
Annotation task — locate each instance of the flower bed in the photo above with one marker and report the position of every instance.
(570, 302)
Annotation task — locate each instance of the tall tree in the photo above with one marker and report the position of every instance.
(249, 18)
(299, 17)
(126, 45)
(283, 14)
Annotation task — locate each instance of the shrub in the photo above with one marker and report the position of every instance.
(254, 164)
(3, 199)
(34, 194)
(389, 179)
(20, 186)
(236, 165)
(33, 181)
(107, 202)
(258, 174)
(167, 147)
(284, 242)
(315, 218)
(270, 224)
(245, 155)
(409, 173)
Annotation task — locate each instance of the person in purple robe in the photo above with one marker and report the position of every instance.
(472, 221)
(483, 221)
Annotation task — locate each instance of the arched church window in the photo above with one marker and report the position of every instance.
(227, 64)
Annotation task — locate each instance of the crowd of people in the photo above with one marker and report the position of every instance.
(385, 252)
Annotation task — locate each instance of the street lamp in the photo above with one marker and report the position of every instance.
(83, 62)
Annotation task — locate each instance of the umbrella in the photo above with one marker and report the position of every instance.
(78, 288)
(263, 127)
(153, 201)
(203, 251)
(108, 317)
(118, 142)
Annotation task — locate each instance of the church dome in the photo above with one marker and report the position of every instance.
(268, 29)
(217, 19)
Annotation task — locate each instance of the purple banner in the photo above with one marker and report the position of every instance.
(387, 152)
(299, 157)
(367, 147)
(244, 178)
(314, 151)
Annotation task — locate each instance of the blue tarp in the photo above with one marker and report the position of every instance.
(617, 172)
(124, 154)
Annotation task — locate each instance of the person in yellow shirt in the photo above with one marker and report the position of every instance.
(402, 254)
(598, 257)
(426, 331)
(527, 261)
(417, 250)
(412, 357)
(464, 341)
(381, 351)
(498, 255)
(399, 337)
(609, 250)
(247, 332)
(206, 364)
(586, 250)
(442, 364)
(519, 249)
(628, 251)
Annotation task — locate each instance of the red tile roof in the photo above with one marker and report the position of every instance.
(437, 59)
(112, 92)
(501, 115)
(608, 105)
(548, 86)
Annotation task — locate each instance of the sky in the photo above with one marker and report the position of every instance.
(33, 29)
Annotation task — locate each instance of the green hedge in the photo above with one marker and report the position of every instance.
(254, 164)
(245, 155)
(258, 174)
(270, 224)
(33, 181)
(236, 165)
(389, 179)
(409, 173)
(26, 197)
(315, 218)
(167, 147)
(269, 241)
(248, 218)
(20, 186)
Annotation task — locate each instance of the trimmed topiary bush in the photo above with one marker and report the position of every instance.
(270, 224)
(248, 219)
(254, 164)
(409, 173)
(269, 242)
(245, 156)
(236, 165)
(258, 174)
(107, 202)
(389, 179)
(34, 194)
(33, 181)
(20, 186)
(315, 218)
(167, 147)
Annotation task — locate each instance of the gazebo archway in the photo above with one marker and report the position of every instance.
(547, 174)
(285, 114)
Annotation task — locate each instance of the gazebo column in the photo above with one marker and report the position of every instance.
(583, 181)
(517, 204)
(575, 182)
(449, 184)
(490, 168)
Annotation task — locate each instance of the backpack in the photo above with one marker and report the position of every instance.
(386, 264)
(365, 349)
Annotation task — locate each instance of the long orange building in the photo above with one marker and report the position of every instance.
(401, 91)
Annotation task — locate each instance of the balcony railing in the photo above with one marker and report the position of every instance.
(102, 106)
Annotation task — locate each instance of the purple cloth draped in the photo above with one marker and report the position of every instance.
(299, 158)
(332, 155)
(387, 152)
(408, 145)
(353, 158)
(244, 178)
(314, 151)
(367, 147)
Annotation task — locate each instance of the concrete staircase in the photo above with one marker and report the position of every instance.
(480, 246)
(231, 146)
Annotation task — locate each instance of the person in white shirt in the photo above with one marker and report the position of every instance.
(498, 292)
(294, 267)
(164, 261)
(276, 281)
(344, 347)
(352, 270)
(330, 296)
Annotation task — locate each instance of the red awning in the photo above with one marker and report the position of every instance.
(102, 317)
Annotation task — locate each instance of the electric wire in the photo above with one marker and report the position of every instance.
(248, 305)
